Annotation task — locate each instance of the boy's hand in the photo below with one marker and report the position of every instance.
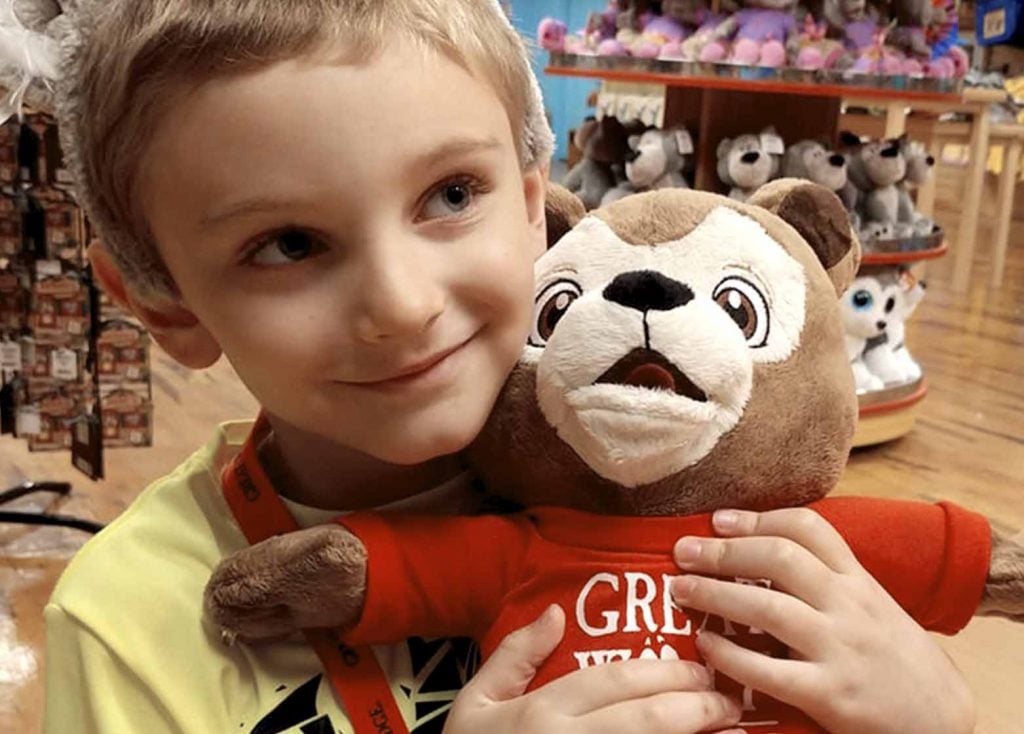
(642, 696)
(860, 664)
(312, 578)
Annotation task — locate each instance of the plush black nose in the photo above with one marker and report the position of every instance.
(837, 161)
(632, 155)
(881, 325)
(646, 290)
(892, 151)
(750, 157)
(930, 160)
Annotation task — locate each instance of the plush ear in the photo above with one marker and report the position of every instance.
(850, 140)
(724, 147)
(584, 132)
(564, 210)
(820, 218)
(634, 141)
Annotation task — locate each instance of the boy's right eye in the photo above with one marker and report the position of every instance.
(285, 247)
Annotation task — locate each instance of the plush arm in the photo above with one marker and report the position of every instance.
(382, 577)
(933, 559)
(435, 576)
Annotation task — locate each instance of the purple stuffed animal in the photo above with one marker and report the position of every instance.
(760, 34)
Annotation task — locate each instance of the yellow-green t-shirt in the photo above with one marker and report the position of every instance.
(128, 649)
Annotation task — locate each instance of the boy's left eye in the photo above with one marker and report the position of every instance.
(450, 199)
(282, 248)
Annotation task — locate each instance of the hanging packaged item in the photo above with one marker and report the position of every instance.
(57, 361)
(127, 412)
(122, 350)
(56, 411)
(60, 305)
(13, 302)
(10, 227)
(8, 156)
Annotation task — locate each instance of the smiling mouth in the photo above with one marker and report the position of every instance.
(649, 369)
(411, 373)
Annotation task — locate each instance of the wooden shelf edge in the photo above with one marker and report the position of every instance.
(910, 256)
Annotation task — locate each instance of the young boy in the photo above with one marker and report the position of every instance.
(345, 198)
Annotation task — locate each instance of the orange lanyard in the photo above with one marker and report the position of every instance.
(355, 674)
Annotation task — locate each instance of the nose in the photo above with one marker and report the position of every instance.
(930, 160)
(397, 297)
(647, 290)
(881, 325)
(632, 155)
(751, 157)
(837, 161)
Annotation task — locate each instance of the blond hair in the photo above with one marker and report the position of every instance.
(123, 60)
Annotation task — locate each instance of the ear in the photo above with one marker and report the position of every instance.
(849, 139)
(724, 147)
(584, 132)
(634, 141)
(820, 218)
(535, 184)
(564, 211)
(168, 320)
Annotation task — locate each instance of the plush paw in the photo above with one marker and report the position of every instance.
(713, 53)
(311, 578)
(1004, 591)
(773, 55)
(746, 52)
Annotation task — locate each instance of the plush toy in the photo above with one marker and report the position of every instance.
(920, 165)
(749, 162)
(551, 35)
(874, 170)
(886, 355)
(687, 356)
(812, 161)
(657, 160)
(659, 31)
(760, 33)
(710, 32)
(605, 145)
(812, 50)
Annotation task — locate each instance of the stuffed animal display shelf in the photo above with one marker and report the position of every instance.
(905, 38)
(687, 355)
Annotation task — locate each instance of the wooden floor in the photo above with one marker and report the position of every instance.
(968, 447)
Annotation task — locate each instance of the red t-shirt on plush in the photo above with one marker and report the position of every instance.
(487, 576)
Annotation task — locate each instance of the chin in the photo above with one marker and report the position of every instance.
(418, 445)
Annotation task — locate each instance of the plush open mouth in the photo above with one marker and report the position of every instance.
(652, 370)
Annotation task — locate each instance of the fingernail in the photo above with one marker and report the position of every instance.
(705, 640)
(726, 519)
(687, 551)
(683, 586)
(701, 675)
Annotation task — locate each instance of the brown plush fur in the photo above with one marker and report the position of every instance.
(1004, 591)
(563, 211)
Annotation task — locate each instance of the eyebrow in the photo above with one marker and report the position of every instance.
(454, 148)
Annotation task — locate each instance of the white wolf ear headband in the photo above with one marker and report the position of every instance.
(40, 43)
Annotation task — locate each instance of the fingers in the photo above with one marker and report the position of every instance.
(784, 617)
(666, 713)
(799, 524)
(790, 567)
(605, 685)
(791, 681)
(512, 666)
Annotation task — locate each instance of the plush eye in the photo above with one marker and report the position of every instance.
(551, 306)
(747, 306)
(862, 300)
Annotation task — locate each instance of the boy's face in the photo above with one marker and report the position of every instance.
(358, 240)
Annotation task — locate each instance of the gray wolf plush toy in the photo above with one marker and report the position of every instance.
(657, 160)
(875, 169)
(687, 356)
(812, 161)
(749, 162)
(605, 145)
